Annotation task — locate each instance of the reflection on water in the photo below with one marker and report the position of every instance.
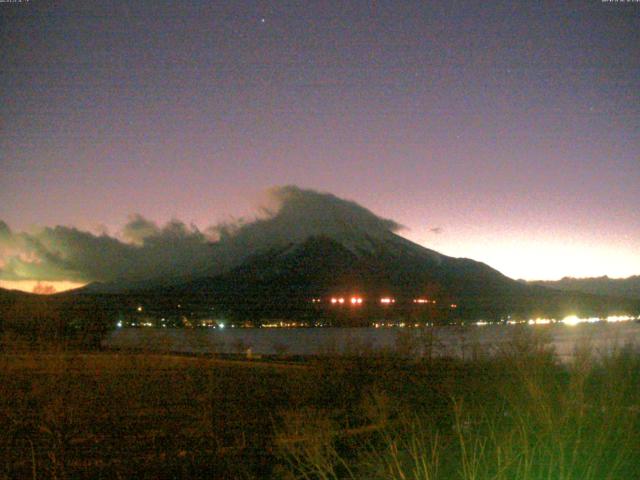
(450, 340)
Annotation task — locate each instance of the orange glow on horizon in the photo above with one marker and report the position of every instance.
(534, 255)
(40, 287)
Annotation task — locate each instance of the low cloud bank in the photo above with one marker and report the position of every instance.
(146, 250)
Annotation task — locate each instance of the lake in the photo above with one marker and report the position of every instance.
(439, 341)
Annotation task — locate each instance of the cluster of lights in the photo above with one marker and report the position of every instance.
(391, 324)
(620, 318)
(383, 300)
(570, 320)
(352, 300)
(400, 324)
(284, 324)
(539, 321)
(574, 320)
(423, 300)
(208, 324)
(136, 324)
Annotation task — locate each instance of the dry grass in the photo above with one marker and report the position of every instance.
(537, 420)
(519, 414)
(72, 415)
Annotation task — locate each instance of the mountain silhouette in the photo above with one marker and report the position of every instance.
(300, 279)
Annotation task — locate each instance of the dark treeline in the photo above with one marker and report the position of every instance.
(257, 307)
(31, 321)
(83, 319)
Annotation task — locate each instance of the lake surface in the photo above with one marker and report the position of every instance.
(439, 341)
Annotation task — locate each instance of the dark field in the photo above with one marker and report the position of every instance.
(518, 415)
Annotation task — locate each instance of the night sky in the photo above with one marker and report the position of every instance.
(507, 132)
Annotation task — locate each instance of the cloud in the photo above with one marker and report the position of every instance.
(138, 228)
(436, 230)
(145, 250)
(296, 214)
(66, 253)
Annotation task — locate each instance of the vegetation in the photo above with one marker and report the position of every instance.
(518, 414)
(39, 321)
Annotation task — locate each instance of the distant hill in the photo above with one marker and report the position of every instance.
(614, 287)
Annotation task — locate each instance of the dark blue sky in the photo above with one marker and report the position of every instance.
(512, 127)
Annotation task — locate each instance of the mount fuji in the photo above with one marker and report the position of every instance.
(315, 248)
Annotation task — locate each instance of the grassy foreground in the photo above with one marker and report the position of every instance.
(519, 414)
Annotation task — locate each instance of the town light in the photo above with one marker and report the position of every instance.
(571, 320)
